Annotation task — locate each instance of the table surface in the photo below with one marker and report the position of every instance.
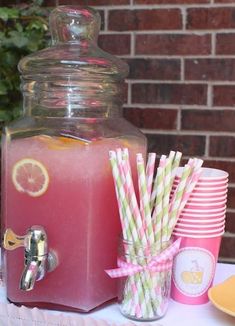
(177, 315)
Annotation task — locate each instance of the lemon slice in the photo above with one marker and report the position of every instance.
(61, 142)
(30, 176)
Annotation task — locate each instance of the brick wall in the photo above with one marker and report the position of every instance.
(181, 87)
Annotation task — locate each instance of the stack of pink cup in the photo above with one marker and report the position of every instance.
(200, 225)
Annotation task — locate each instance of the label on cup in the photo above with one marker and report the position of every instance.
(193, 271)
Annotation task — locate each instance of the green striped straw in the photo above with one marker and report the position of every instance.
(154, 190)
(158, 210)
(144, 198)
(176, 199)
(150, 172)
(166, 198)
(175, 165)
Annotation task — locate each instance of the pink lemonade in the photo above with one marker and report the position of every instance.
(75, 202)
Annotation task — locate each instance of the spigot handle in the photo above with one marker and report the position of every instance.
(12, 241)
(37, 259)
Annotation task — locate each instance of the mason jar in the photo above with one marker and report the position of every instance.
(144, 293)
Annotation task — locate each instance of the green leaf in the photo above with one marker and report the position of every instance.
(23, 30)
(36, 40)
(9, 58)
(2, 39)
(36, 24)
(8, 13)
(3, 88)
(5, 115)
(18, 39)
(19, 27)
(3, 14)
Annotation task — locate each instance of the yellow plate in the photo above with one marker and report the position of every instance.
(223, 296)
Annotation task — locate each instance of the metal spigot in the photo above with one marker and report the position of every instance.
(38, 260)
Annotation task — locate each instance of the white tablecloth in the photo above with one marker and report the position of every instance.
(177, 315)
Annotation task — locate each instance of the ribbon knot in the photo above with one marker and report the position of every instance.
(159, 263)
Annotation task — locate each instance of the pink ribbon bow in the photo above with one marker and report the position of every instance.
(161, 262)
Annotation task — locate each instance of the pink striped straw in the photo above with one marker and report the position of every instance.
(162, 161)
(189, 188)
(180, 187)
(194, 164)
(115, 172)
(120, 164)
(133, 200)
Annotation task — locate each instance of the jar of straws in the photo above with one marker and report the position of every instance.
(148, 216)
(144, 269)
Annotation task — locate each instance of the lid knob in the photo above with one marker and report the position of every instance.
(73, 24)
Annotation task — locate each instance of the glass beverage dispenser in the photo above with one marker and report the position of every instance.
(60, 222)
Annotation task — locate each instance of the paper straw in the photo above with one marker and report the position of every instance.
(171, 157)
(120, 165)
(175, 165)
(189, 188)
(133, 200)
(176, 200)
(162, 163)
(198, 163)
(158, 210)
(166, 198)
(196, 171)
(116, 178)
(150, 172)
(144, 198)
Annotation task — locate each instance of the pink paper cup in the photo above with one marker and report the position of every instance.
(198, 211)
(206, 206)
(201, 215)
(201, 220)
(198, 236)
(206, 200)
(205, 185)
(210, 189)
(209, 197)
(208, 175)
(194, 268)
(212, 196)
(200, 226)
(216, 194)
(199, 231)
